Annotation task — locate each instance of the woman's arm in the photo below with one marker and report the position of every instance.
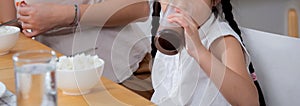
(224, 63)
(7, 11)
(42, 17)
(112, 13)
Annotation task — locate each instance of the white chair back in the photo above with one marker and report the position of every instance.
(276, 60)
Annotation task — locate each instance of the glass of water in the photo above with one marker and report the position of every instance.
(35, 78)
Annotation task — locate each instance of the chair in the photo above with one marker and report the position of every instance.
(276, 60)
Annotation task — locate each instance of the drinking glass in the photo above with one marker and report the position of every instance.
(35, 78)
(170, 36)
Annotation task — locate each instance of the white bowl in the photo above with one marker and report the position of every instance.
(78, 82)
(8, 38)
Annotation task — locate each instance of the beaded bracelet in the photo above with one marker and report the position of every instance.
(77, 15)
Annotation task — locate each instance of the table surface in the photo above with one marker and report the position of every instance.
(105, 93)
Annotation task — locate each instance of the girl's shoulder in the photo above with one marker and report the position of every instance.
(214, 28)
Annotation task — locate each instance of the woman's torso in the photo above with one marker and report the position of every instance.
(120, 47)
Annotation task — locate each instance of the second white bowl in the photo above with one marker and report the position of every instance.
(78, 82)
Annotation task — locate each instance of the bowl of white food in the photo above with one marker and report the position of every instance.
(79, 74)
(8, 38)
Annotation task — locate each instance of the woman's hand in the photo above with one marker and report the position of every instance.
(42, 17)
(192, 39)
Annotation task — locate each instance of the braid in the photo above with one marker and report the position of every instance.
(155, 24)
(227, 8)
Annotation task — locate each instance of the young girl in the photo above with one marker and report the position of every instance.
(212, 69)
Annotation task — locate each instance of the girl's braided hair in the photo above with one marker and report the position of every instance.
(227, 10)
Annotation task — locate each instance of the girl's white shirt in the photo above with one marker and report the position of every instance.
(179, 80)
(122, 48)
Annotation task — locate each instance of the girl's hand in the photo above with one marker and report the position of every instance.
(42, 17)
(192, 39)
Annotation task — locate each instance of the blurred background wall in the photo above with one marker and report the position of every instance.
(265, 15)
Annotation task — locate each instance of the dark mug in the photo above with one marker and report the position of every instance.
(170, 41)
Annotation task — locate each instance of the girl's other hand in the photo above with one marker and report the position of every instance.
(42, 17)
(192, 39)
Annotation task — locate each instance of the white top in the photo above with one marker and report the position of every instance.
(179, 80)
(122, 48)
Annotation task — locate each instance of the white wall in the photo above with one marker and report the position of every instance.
(264, 15)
